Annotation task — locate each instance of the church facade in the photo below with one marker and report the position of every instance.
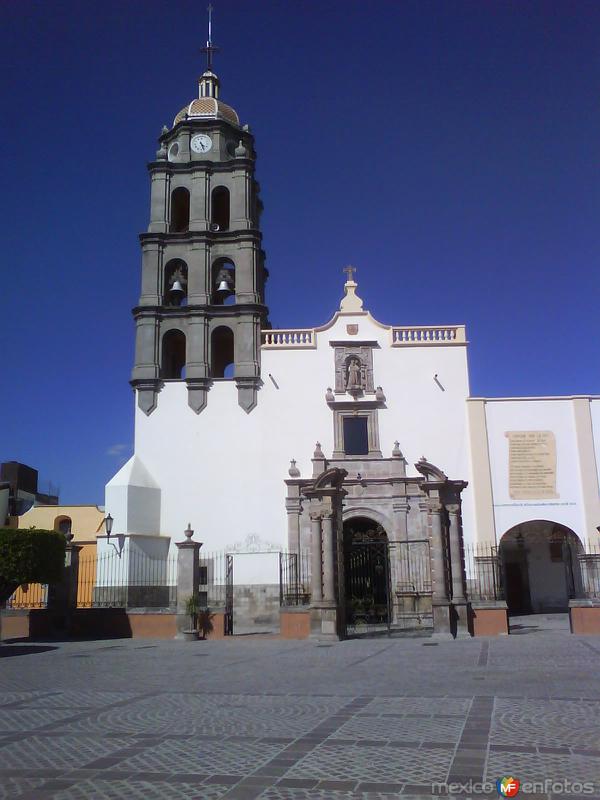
(235, 421)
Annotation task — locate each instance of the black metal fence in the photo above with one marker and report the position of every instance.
(216, 578)
(483, 570)
(30, 595)
(131, 579)
(589, 571)
(294, 578)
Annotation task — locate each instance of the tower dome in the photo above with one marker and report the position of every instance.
(206, 107)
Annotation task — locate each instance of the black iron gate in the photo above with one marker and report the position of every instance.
(368, 588)
(388, 587)
(228, 594)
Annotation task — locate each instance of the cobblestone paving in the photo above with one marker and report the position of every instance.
(253, 719)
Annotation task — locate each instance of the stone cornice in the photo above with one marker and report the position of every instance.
(204, 166)
(210, 311)
(212, 237)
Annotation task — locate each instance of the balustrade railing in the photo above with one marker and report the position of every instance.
(429, 335)
(289, 338)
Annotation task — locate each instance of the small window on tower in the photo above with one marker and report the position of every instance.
(356, 436)
(180, 210)
(220, 209)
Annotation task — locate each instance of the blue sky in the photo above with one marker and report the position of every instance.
(449, 150)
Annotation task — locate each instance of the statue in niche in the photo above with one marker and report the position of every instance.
(354, 382)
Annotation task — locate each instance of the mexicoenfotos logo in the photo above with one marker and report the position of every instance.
(508, 786)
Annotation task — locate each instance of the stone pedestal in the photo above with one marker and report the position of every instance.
(188, 578)
(62, 596)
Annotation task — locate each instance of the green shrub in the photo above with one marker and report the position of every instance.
(29, 556)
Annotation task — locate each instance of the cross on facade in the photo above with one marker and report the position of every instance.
(350, 273)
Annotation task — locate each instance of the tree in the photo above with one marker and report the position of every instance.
(29, 556)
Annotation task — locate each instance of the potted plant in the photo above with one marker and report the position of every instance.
(204, 622)
(191, 608)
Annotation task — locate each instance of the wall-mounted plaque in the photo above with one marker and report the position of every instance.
(531, 465)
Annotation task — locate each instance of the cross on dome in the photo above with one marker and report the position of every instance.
(210, 48)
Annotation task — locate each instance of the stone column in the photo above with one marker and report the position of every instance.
(399, 557)
(440, 602)
(197, 379)
(188, 577)
(459, 601)
(328, 560)
(316, 563)
(62, 596)
(294, 509)
(158, 201)
(199, 202)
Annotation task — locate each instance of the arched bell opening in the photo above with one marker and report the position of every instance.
(223, 282)
(541, 567)
(366, 572)
(63, 524)
(175, 283)
(222, 362)
(220, 209)
(173, 355)
(180, 210)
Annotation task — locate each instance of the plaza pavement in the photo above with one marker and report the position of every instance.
(277, 720)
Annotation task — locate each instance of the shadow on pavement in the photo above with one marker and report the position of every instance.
(7, 650)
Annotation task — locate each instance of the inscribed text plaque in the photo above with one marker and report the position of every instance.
(531, 465)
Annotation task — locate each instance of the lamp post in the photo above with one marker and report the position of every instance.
(108, 523)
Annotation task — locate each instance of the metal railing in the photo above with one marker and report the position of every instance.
(127, 580)
(483, 570)
(215, 579)
(29, 595)
(589, 571)
(294, 578)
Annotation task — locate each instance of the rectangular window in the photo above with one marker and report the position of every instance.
(356, 437)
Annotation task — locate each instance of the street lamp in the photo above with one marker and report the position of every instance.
(108, 523)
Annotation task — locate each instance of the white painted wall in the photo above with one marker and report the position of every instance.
(224, 470)
(595, 412)
(556, 415)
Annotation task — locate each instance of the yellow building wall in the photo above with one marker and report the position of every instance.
(86, 523)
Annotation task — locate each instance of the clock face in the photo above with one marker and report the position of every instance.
(201, 143)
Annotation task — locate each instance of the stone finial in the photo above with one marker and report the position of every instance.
(351, 302)
(318, 452)
(164, 130)
(188, 532)
(240, 150)
(379, 395)
(396, 452)
(329, 395)
(293, 471)
(161, 153)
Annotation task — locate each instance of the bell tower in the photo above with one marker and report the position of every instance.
(201, 308)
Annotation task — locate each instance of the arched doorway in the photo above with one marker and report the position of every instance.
(540, 563)
(366, 576)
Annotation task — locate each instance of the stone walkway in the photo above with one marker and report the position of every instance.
(251, 718)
